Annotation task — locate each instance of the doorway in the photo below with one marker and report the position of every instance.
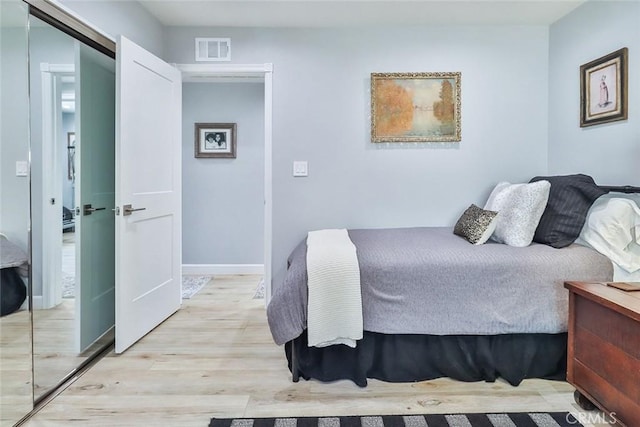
(58, 131)
(225, 76)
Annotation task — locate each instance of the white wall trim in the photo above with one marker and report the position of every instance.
(37, 302)
(234, 70)
(57, 68)
(213, 269)
(268, 179)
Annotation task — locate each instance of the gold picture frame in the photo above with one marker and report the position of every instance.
(603, 89)
(416, 107)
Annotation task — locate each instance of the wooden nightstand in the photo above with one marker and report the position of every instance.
(604, 349)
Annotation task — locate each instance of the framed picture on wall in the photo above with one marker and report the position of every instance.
(71, 155)
(603, 89)
(215, 140)
(415, 107)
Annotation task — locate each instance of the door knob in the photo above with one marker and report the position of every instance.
(88, 210)
(128, 210)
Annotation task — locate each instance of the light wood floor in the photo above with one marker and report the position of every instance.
(215, 358)
(16, 398)
(54, 333)
(54, 351)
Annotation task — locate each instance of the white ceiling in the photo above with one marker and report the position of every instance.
(342, 13)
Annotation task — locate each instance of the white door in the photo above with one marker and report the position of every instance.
(148, 192)
(95, 195)
(52, 139)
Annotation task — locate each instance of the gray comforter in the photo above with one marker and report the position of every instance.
(11, 255)
(430, 281)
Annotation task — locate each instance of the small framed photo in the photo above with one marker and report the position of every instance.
(603, 89)
(71, 156)
(215, 140)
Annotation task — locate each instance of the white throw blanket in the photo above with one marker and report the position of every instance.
(334, 312)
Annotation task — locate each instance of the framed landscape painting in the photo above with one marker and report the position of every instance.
(603, 89)
(415, 107)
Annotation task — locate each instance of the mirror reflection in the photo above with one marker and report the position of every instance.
(57, 186)
(72, 147)
(16, 398)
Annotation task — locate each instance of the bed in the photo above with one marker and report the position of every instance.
(13, 268)
(434, 305)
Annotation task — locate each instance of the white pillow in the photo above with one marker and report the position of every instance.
(519, 207)
(613, 229)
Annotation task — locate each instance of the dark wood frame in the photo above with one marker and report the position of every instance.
(229, 128)
(620, 59)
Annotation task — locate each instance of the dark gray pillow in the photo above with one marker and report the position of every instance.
(570, 198)
(476, 225)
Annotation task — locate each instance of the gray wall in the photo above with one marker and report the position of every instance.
(520, 112)
(223, 210)
(128, 18)
(14, 123)
(609, 152)
(321, 113)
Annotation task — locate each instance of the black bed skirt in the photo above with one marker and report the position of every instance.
(407, 358)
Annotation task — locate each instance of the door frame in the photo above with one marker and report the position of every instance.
(248, 72)
(51, 223)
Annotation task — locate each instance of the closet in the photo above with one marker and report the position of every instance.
(58, 148)
(100, 250)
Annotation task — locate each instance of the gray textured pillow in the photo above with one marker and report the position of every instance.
(520, 207)
(476, 225)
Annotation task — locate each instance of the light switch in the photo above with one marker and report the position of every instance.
(22, 168)
(300, 168)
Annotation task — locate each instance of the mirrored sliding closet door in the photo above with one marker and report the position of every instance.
(72, 115)
(16, 393)
(57, 192)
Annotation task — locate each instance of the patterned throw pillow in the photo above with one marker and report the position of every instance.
(520, 207)
(476, 225)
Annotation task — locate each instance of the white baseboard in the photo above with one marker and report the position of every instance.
(37, 302)
(213, 269)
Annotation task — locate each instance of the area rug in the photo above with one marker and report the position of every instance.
(192, 284)
(520, 419)
(68, 285)
(259, 290)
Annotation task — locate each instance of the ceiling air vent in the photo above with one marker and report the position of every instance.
(209, 49)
